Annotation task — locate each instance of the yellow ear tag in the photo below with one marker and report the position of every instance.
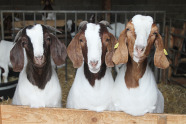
(116, 46)
(165, 52)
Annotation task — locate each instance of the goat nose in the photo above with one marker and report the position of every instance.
(140, 49)
(39, 57)
(93, 63)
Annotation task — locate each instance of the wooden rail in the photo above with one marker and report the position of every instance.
(22, 114)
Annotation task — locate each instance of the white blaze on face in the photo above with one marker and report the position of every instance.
(36, 36)
(142, 26)
(94, 46)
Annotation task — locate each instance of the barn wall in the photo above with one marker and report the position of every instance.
(174, 8)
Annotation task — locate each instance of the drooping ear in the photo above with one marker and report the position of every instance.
(58, 50)
(110, 51)
(74, 51)
(17, 56)
(121, 53)
(160, 60)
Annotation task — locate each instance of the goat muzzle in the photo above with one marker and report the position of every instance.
(39, 60)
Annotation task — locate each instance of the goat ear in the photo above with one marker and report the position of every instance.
(121, 54)
(110, 51)
(17, 56)
(74, 52)
(160, 59)
(58, 50)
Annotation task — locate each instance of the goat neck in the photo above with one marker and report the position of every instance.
(39, 76)
(91, 77)
(134, 72)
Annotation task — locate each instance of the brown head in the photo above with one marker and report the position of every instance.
(137, 39)
(39, 44)
(93, 45)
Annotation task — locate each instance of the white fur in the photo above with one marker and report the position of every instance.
(69, 25)
(50, 16)
(137, 101)
(142, 26)
(120, 28)
(94, 46)
(5, 47)
(28, 94)
(36, 37)
(83, 96)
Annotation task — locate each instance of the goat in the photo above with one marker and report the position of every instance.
(38, 84)
(5, 47)
(91, 52)
(135, 91)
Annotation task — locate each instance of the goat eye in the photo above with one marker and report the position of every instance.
(107, 40)
(155, 33)
(48, 38)
(80, 40)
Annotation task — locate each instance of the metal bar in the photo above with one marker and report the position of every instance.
(34, 18)
(85, 16)
(23, 19)
(96, 18)
(55, 22)
(2, 26)
(66, 78)
(13, 29)
(106, 16)
(65, 11)
(115, 23)
(75, 23)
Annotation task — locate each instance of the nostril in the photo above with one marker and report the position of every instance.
(93, 63)
(39, 57)
(140, 49)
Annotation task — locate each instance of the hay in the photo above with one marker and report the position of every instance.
(174, 98)
(174, 95)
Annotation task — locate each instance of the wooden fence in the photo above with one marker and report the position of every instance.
(21, 115)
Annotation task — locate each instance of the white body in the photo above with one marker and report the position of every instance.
(5, 47)
(83, 96)
(50, 16)
(120, 28)
(137, 101)
(28, 94)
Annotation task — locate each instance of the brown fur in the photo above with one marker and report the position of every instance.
(121, 54)
(77, 50)
(38, 75)
(136, 70)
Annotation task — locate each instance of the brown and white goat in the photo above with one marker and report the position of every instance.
(91, 51)
(38, 84)
(135, 91)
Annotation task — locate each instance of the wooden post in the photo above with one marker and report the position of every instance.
(106, 5)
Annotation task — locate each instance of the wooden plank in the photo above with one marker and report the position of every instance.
(22, 114)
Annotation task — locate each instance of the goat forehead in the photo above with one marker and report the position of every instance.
(94, 44)
(36, 37)
(142, 26)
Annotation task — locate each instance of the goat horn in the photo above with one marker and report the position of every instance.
(52, 29)
(106, 23)
(82, 24)
(18, 35)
